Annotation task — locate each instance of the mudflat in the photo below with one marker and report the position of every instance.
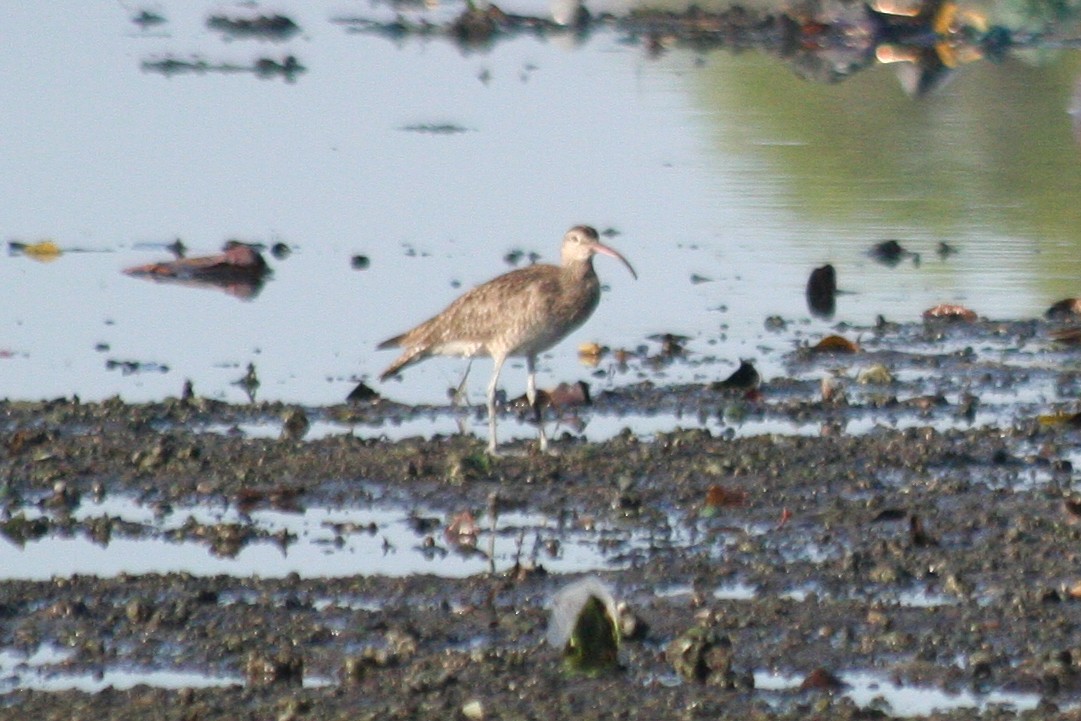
(914, 537)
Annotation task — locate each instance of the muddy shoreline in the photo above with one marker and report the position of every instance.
(936, 550)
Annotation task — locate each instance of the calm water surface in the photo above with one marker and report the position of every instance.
(727, 177)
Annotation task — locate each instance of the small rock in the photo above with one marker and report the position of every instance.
(877, 374)
(473, 710)
(704, 655)
(266, 670)
(821, 680)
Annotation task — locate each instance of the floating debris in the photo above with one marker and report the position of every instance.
(128, 367)
(590, 354)
(945, 250)
(239, 270)
(891, 253)
(822, 292)
(948, 311)
(44, 250)
(435, 128)
(359, 262)
(288, 68)
(266, 27)
(146, 19)
(672, 345)
(1066, 309)
(249, 382)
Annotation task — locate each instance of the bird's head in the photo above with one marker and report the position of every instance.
(580, 244)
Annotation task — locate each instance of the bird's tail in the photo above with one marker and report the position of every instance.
(394, 342)
(411, 356)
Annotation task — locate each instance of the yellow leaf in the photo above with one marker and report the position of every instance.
(43, 250)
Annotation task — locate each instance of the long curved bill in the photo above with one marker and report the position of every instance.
(613, 253)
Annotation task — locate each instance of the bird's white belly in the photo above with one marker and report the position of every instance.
(461, 348)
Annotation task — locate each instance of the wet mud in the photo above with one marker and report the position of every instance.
(923, 534)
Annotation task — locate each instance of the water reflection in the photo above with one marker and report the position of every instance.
(728, 177)
(926, 40)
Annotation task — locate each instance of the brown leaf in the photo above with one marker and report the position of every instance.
(721, 497)
(947, 311)
(835, 344)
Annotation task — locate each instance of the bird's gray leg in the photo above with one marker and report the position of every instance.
(531, 381)
(531, 396)
(459, 392)
(497, 363)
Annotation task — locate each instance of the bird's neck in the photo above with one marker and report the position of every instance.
(577, 270)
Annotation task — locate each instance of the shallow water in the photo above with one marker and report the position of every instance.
(870, 688)
(314, 542)
(722, 166)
